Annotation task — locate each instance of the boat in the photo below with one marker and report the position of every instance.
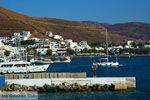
(21, 67)
(62, 60)
(105, 62)
(20, 64)
(41, 61)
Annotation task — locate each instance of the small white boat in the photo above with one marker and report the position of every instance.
(41, 61)
(106, 64)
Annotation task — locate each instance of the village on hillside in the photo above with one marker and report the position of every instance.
(56, 45)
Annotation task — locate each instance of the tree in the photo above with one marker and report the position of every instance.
(85, 50)
(37, 54)
(7, 53)
(96, 44)
(28, 42)
(49, 52)
(92, 51)
(70, 51)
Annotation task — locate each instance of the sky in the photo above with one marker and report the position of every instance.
(108, 11)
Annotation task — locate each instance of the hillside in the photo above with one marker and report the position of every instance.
(11, 22)
(135, 30)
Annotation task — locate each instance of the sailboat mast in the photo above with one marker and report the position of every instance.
(106, 43)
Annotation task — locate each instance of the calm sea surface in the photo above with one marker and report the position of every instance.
(138, 67)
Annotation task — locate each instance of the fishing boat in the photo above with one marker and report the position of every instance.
(105, 62)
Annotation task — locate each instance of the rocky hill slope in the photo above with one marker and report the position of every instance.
(11, 22)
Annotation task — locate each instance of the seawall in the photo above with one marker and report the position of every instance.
(121, 83)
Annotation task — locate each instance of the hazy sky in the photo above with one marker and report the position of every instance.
(110, 11)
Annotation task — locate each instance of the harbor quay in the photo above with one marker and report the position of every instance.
(45, 75)
(43, 82)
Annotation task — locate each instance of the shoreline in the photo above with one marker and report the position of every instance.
(92, 56)
(111, 56)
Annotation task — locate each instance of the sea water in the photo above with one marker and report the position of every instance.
(138, 67)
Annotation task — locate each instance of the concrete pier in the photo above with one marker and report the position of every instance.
(121, 83)
(40, 79)
(46, 75)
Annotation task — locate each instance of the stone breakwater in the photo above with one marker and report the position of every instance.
(64, 87)
(71, 84)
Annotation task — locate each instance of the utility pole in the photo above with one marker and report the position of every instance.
(94, 67)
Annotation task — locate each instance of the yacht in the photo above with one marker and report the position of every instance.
(21, 67)
(104, 62)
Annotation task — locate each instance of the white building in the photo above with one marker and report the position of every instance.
(129, 42)
(58, 37)
(78, 49)
(1, 43)
(128, 46)
(115, 47)
(26, 34)
(84, 44)
(147, 46)
(99, 48)
(54, 45)
(70, 44)
(15, 35)
(61, 52)
(49, 34)
(35, 39)
(42, 51)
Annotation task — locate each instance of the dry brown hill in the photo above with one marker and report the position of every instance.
(135, 30)
(11, 22)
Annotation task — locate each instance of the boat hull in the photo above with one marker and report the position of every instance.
(37, 68)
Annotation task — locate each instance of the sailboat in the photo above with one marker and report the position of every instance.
(105, 62)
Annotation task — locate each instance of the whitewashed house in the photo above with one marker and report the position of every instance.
(70, 44)
(147, 46)
(58, 37)
(42, 51)
(1, 43)
(54, 45)
(49, 34)
(128, 44)
(61, 52)
(99, 48)
(25, 35)
(78, 49)
(84, 44)
(35, 39)
(15, 35)
(115, 47)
